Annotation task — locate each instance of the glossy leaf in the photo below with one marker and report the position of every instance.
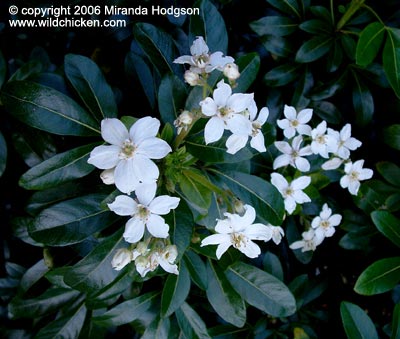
(194, 187)
(282, 75)
(363, 101)
(278, 46)
(3, 154)
(314, 49)
(47, 109)
(210, 25)
(91, 86)
(171, 98)
(316, 26)
(274, 25)
(71, 221)
(272, 265)
(27, 71)
(249, 65)
(369, 43)
(223, 298)
(391, 136)
(388, 225)
(175, 291)
(379, 277)
(390, 171)
(59, 169)
(94, 271)
(261, 290)
(327, 111)
(357, 324)
(159, 328)
(300, 98)
(33, 275)
(127, 311)
(256, 192)
(391, 58)
(196, 269)
(290, 7)
(190, 323)
(334, 58)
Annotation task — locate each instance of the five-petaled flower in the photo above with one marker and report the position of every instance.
(354, 174)
(344, 141)
(324, 224)
(309, 241)
(239, 231)
(292, 154)
(295, 122)
(129, 152)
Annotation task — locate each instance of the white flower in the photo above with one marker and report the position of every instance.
(322, 143)
(191, 78)
(295, 122)
(141, 249)
(223, 109)
(145, 265)
(332, 164)
(325, 223)
(239, 231)
(292, 154)
(292, 193)
(130, 152)
(167, 257)
(121, 258)
(344, 142)
(308, 243)
(145, 213)
(236, 142)
(277, 233)
(231, 71)
(354, 174)
(201, 61)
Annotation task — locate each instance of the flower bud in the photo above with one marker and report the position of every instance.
(170, 253)
(121, 258)
(107, 176)
(184, 120)
(231, 71)
(191, 78)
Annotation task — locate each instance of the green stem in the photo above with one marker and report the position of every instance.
(353, 8)
(374, 13)
(332, 14)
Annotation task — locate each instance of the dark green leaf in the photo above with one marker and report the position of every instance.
(300, 98)
(3, 154)
(369, 43)
(223, 298)
(272, 265)
(334, 58)
(363, 101)
(159, 329)
(278, 46)
(190, 323)
(391, 136)
(3, 69)
(321, 12)
(196, 268)
(68, 326)
(388, 225)
(59, 169)
(349, 46)
(196, 94)
(314, 49)
(157, 45)
(290, 7)
(282, 75)
(369, 198)
(396, 322)
(27, 70)
(391, 58)
(175, 291)
(210, 25)
(379, 277)
(20, 227)
(71, 221)
(47, 109)
(256, 192)
(127, 311)
(249, 65)
(274, 25)
(356, 323)
(94, 271)
(32, 275)
(194, 186)
(261, 290)
(171, 98)
(91, 86)
(390, 171)
(329, 89)
(316, 27)
(327, 111)
(306, 290)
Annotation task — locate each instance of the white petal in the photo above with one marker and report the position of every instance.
(146, 193)
(290, 204)
(134, 230)
(352, 143)
(304, 115)
(235, 143)
(354, 186)
(222, 248)
(222, 93)
(344, 181)
(279, 181)
(345, 132)
(167, 267)
(184, 59)
(239, 124)
(258, 232)
(258, 142)
(282, 160)
(263, 115)
(125, 177)
(114, 131)
(249, 216)
(300, 197)
(250, 249)
(157, 226)
(214, 130)
(335, 219)
(297, 245)
(217, 60)
(332, 164)
(283, 124)
(290, 112)
(104, 157)
(224, 226)
(208, 107)
(144, 169)
(326, 212)
(316, 222)
(300, 182)
(302, 164)
(289, 132)
(163, 204)
(303, 129)
(238, 102)
(283, 147)
(215, 239)
(123, 205)
(144, 128)
(154, 148)
(199, 47)
(365, 174)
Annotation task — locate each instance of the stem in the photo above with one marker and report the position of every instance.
(332, 14)
(374, 13)
(354, 7)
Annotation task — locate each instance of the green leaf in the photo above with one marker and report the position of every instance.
(334, 58)
(316, 27)
(390, 171)
(94, 271)
(190, 323)
(159, 329)
(300, 98)
(175, 291)
(127, 311)
(314, 49)
(282, 75)
(327, 111)
(274, 25)
(157, 45)
(223, 298)
(71, 221)
(59, 169)
(391, 58)
(91, 86)
(196, 268)
(391, 136)
(356, 323)
(369, 43)
(396, 322)
(194, 186)
(171, 98)
(363, 101)
(33, 275)
(388, 225)
(272, 265)
(3, 69)
(3, 154)
(68, 326)
(249, 65)
(210, 25)
(256, 192)
(261, 290)
(27, 71)
(380, 277)
(278, 46)
(47, 109)
(290, 7)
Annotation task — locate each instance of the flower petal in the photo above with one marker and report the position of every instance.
(114, 131)
(300, 182)
(235, 143)
(304, 115)
(208, 107)
(281, 161)
(153, 148)
(214, 130)
(239, 124)
(157, 227)
(258, 232)
(290, 112)
(215, 239)
(145, 193)
(104, 157)
(123, 205)
(222, 93)
(258, 142)
(222, 248)
(199, 47)
(263, 115)
(238, 102)
(145, 170)
(279, 181)
(134, 230)
(125, 177)
(250, 249)
(144, 128)
(163, 204)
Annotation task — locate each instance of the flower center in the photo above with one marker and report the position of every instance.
(224, 112)
(294, 154)
(289, 191)
(320, 139)
(238, 240)
(354, 175)
(256, 126)
(294, 123)
(325, 223)
(142, 212)
(127, 150)
(202, 60)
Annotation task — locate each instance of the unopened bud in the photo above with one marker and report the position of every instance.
(191, 78)
(239, 207)
(107, 176)
(231, 71)
(121, 258)
(184, 120)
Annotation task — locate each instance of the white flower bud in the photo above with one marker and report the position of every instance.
(121, 258)
(107, 176)
(184, 120)
(231, 71)
(191, 78)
